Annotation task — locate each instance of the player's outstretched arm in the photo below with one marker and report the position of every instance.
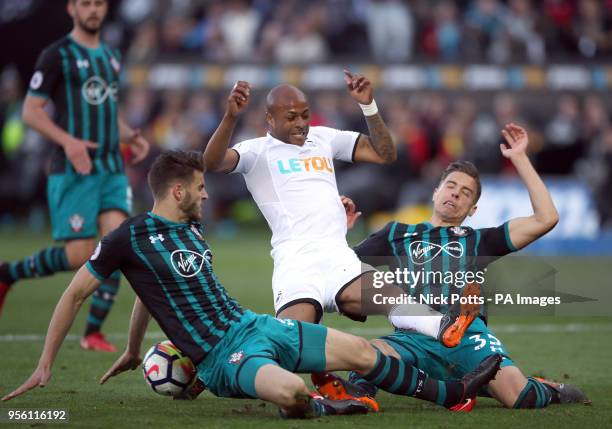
(35, 116)
(82, 285)
(217, 156)
(525, 230)
(378, 148)
(131, 357)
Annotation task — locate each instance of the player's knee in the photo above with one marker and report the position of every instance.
(362, 354)
(385, 348)
(351, 295)
(78, 252)
(76, 259)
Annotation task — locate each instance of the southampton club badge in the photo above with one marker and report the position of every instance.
(236, 357)
(76, 222)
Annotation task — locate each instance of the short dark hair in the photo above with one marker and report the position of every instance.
(173, 165)
(464, 167)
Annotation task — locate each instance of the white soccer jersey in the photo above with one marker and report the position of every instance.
(295, 186)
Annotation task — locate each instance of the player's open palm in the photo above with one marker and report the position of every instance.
(516, 139)
(239, 98)
(126, 361)
(359, 87)
(39, 378)
(76, 152)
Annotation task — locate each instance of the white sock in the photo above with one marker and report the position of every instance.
(417, 317)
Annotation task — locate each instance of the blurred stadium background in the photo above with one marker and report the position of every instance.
(448, 75)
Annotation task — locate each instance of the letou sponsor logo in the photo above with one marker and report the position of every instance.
(422, 252)
(187, 263)
(313, 164)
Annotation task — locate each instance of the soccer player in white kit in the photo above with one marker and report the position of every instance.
(290, 174)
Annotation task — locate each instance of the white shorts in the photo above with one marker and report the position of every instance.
(314, 273)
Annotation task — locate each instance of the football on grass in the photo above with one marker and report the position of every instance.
(167, 370)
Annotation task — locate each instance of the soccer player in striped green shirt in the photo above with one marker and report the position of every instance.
(460, 255)
(238, 353)
(87, 189)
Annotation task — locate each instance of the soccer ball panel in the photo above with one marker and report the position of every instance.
(166, 370)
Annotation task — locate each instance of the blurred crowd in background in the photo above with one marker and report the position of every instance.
(570, 133)
(304, 31)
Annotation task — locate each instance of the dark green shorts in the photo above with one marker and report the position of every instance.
(445, 363)
(229, 369)
(75, 201)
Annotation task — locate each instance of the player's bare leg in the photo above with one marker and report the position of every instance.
(449, 328)
(344, 351)
(79, 251)
(508, 385)
(304, 311)
(289, 392)
(104, 297)
(514, 390)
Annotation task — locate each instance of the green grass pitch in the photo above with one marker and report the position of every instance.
(572, 349)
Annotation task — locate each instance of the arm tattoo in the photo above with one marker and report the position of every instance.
(380, 138)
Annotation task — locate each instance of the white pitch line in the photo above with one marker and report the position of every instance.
(363, 331)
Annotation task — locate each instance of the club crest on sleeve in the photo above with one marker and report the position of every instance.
(236, 357)
(37, 80)
(76, 222)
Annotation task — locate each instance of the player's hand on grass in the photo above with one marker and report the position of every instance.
(351, 211)
(139, 147)
(359, 87)
(76, 152)
(39, 378)
(238, 99)
(126, 361)
(516, 141)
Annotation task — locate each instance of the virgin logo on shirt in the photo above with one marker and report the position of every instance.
(422, 252)
(186, 262)
(95, 90)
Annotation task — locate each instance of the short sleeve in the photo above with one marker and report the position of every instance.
(247, 155)
(375, 249)
(47, 74)
(343, 143)
(495, 242)
(108, 255)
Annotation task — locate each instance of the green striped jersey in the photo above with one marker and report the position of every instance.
(83, 84)
(442, 259)
(169, 266)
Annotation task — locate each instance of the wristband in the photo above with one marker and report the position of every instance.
(369, 109)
